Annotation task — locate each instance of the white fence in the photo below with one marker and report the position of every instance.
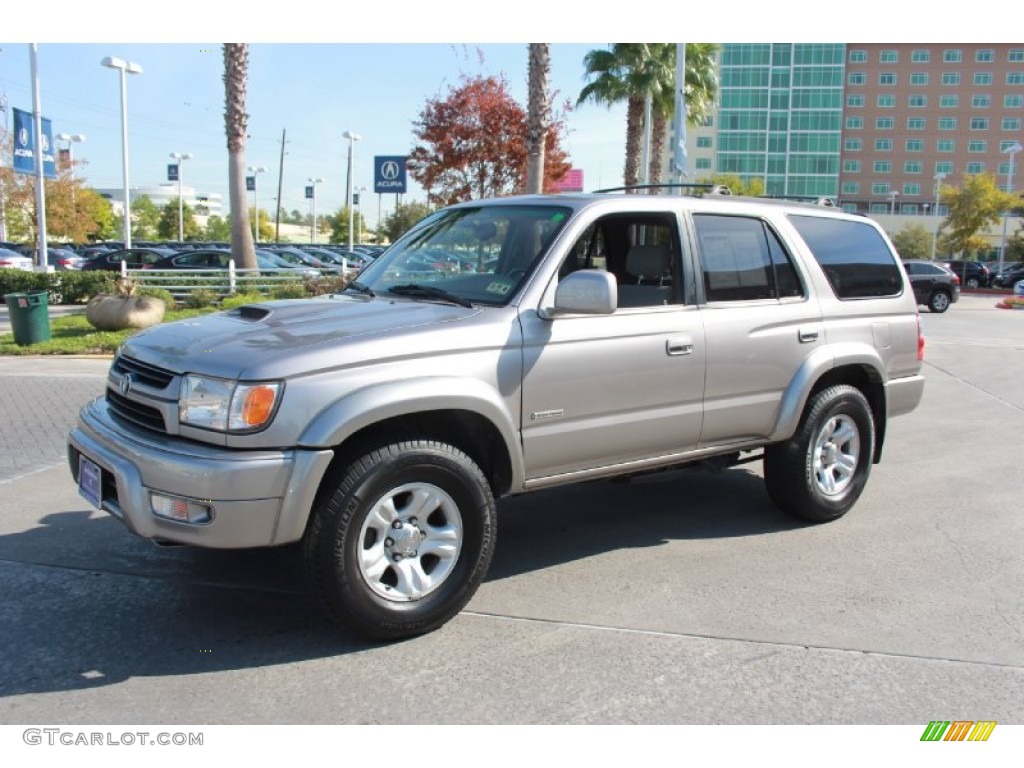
(227, 282)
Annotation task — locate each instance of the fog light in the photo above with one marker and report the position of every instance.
(179, 509)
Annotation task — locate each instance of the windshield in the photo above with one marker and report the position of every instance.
(477, 254)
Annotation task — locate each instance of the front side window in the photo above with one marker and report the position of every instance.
(474, 254)
(853, 255)
(742, 259)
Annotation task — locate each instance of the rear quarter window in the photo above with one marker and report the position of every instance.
(854, 256)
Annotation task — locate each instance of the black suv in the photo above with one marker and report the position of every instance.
(972, 274)
(935, 286)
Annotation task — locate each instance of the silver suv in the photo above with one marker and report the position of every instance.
(502, 347)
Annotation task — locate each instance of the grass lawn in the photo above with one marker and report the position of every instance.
(72, 335)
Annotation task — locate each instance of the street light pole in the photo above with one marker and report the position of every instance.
(125, 68)
(935, 235)
(357, 202)
(352, 139)
(72, 139)
(1011, 150)
(314, 182)
(892, 202)
(256, 171)
(181, 157)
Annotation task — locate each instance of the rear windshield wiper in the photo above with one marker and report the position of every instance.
(428, 292)
(355, 285)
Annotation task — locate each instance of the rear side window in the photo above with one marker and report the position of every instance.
(853, 255)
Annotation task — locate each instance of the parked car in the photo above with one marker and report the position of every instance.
(136, 258)
(1008, 275)
(64, 259)
(216, 258)
(972, 274)
(935, 286)
(13, 260)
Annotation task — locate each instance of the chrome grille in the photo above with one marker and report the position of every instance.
(143, 373)
(141, 415)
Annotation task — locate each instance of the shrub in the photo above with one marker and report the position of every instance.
(200, 298)
(79, 287)
(159, 293)
(241, 299)
(325, 284)
(289, 291)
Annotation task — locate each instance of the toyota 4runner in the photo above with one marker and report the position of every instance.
(501, 347)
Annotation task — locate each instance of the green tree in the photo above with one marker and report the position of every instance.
(167, 227)
(236, 121)
(145, 218)
(977, 204)
(217, 229)
(914, 241)
(751, 188)
(402, 219)
(338, 224)
(266, 225)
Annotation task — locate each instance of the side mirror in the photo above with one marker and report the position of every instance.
(585, 292)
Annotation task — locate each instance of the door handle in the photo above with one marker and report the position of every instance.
(807, 335)
(676, 347)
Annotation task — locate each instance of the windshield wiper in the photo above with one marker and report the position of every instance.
(355, 285)
(428, 292)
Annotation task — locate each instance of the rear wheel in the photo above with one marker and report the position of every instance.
(403, 541)
(939, 301)
(820, 472)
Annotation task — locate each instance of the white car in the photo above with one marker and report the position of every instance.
(14, 260)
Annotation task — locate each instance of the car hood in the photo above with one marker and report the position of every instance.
(276, 339)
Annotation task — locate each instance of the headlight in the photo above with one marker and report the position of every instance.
(226, 405)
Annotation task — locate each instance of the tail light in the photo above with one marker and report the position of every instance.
(920, 340)
(956, 279)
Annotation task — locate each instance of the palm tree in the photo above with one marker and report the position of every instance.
(631, 72)
(537, 117)
(236, 69)
(701, 91)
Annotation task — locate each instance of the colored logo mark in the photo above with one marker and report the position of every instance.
(958, 730)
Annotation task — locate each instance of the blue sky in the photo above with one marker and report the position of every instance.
(319, 69)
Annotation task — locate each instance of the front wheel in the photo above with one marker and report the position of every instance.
(820, 472)
(402, 542)
(939, 301)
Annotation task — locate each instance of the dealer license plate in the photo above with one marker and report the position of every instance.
(89, 476)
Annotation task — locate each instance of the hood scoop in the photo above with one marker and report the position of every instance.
(251, 313)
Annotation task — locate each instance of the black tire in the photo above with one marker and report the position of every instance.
(368, 572)
(801, 473)
(939, 301)
(972, 282)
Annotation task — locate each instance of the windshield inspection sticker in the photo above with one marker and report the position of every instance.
(499, 286)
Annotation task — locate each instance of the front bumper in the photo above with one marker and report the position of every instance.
(259, 498)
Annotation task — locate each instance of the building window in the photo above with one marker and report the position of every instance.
(851, 166)
(886, 100)
(912, 189)
(947, 123)
(917, 100)
(983, 78)
(984, 56)
(1013, 100)
(951, 78)
(952, 56)
(915, 123)
(973, 169)
(882, 166)
(1011, 124)
(1005, 144)
(856, 78)
(979, 123)
(851, 187)
(883, 145)
(704, 142)
(703, 163)
(884, 123)
(977, 145)
(858, 57)
(887, 78)
(949, 101)
(888, 57)
(855, 123)
(945, 167)
(912, 166)
(921, 56)
(1016, 54)
(919, 78)
(853, 145)
(880, 188)
(855, 100)
(708, 121)
(915, 145)
(1015, 78)
(983, 101)
(945, 145)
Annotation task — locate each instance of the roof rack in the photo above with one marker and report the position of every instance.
(824, 200)
(696, 189)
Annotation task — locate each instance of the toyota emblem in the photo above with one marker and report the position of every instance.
(126, 384)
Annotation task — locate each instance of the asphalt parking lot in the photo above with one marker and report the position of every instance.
(686, 599)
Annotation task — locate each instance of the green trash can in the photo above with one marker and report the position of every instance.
(30, 316)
